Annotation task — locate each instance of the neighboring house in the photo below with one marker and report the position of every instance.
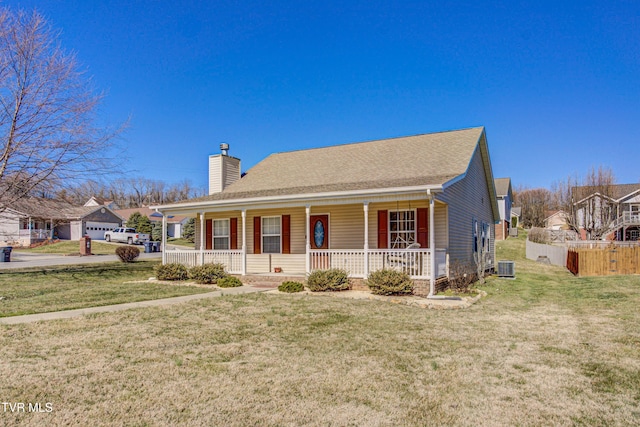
(556, 220)
(100, 201)
(516, 213)
(175, 223)
(33, 220)
(505, 198)
(354, 206)
(611, 213)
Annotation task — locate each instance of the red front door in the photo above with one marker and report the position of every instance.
(319, 231)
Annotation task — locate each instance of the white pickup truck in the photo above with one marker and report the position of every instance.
(128, 235)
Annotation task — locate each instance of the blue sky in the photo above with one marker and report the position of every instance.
(555, 83)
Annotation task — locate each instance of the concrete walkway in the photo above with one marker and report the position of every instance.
(67, 314)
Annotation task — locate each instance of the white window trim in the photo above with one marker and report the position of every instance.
(214, 237)
(263, 235)
(415, 225)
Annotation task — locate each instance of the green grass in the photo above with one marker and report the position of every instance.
(181, 242)
(71, 287)
(72, 247)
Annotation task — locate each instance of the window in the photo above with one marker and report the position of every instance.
(220, 234)
(271, 235)
(402, 228)
(475, 236)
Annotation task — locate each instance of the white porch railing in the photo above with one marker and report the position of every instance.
(415, 262)
(189, 257)
(35, 234)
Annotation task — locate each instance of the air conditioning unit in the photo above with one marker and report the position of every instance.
(507, 269)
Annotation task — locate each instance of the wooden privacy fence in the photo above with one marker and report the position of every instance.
(611, 260)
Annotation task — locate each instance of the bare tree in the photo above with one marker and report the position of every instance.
(47, 112)
(534, 203)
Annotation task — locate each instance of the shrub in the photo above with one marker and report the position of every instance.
(328, 280)
(291, 287)
(127, 253)
(207, 274)
(229, 282)
(390, 282)
(171, 272)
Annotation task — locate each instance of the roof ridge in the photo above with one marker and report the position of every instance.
(374, 140)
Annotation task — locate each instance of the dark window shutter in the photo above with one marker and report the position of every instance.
(233, 233)
(423, 227)
(286, 234)
(209, 234)
(383, 229)
(257, 235)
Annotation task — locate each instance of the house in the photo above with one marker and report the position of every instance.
(32, 220)
(609, 212)
(505, 198)
(556, 220)
(101, 201)
(361, 207)
(516, 213)
(175, 223)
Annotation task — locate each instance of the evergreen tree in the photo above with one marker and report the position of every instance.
(189, 230)
(156, 232)
(141, 223)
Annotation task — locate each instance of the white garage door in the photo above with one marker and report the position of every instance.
(96, 230)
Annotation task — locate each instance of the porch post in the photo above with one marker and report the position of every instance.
(163, 245)
(366, 239)
(307, 258)
(244, 242)
(432, 246)
(202, 231)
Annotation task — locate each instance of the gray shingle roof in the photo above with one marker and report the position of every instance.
(616, 191)
(428, 159)
(502, 186)
(51, 209)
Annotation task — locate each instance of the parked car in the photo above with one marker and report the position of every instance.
(128, 235)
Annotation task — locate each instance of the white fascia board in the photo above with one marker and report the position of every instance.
(590, 196)
(629, 195)
(296, 199)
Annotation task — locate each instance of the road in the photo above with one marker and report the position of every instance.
(27, 260)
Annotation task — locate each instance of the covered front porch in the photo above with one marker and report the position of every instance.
(359, 236)
(357, 262)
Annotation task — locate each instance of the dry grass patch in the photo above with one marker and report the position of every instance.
(295, 360)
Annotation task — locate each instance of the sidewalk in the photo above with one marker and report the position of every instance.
(67, 314)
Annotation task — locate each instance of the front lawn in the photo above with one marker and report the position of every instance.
(80, 286)
(544, 349)
(72, 247)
